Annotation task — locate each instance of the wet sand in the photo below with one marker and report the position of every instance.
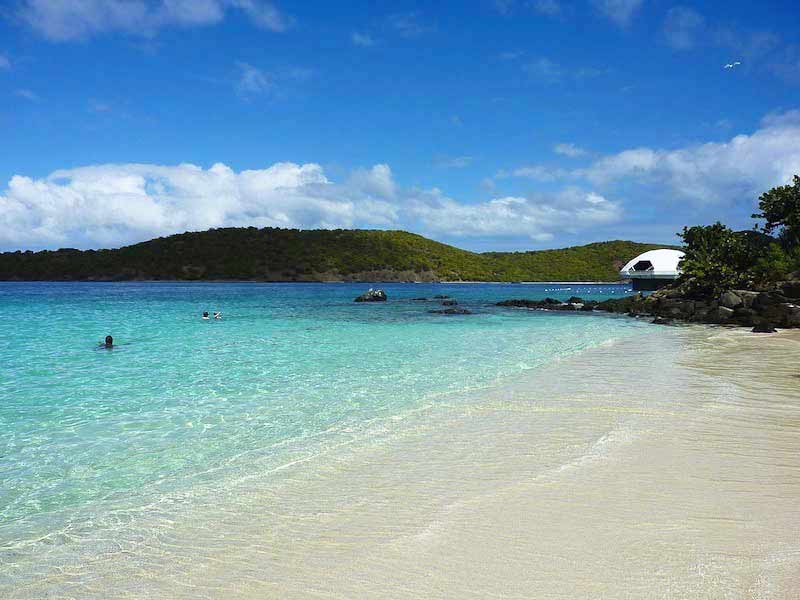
(662, 467)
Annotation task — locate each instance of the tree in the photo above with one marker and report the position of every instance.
(780, 209)
(717, 258)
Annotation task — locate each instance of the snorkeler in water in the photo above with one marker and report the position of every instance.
(109, 343)
(218, 315)
(205, 316)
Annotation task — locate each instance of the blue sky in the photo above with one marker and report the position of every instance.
(492, 124)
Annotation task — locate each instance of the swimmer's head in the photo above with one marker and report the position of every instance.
(109, 341)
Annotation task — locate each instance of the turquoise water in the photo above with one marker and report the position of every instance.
(90, 438)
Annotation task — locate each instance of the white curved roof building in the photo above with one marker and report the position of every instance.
(653, 269)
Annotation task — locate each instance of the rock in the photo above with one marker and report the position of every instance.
(451, 311)
(440, 297)
(372, 296)
(747, 296)
(661, 321)
(764, 328)
(744, 316)
(449, 303)
(546, 304)
(575, 300)
(791, 289)
(766, 299)
(588, 306)
(730, 300)
(722, 314)
(419, 299)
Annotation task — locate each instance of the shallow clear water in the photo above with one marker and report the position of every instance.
(91, 437)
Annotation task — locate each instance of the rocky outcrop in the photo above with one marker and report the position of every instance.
(778, 306)
(372, 296)
(451, 311)
(449, 302)
(572, 304)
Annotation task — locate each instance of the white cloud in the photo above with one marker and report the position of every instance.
(551, 8)
(263, 14)
(570, 150)
(409, 24)
(252, 81)
(540, 173)
(60, 20)
(724, 173)
(544, 69)
(28, 95)
(620, 12)
(456, 162)
(362, 39)
(111, 205)
(682, 27)
(504, 7)
(5, 63)
(116, 204)
(536, 217)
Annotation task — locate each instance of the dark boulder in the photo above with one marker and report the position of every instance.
(419, 299)
(662, 321)
(440, 297)
(764, 328)
(451, 311)
(546, 304)
(449, 302)
(791, 289)
(372, 296)
(575, 300)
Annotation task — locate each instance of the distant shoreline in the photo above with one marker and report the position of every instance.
(359, 282)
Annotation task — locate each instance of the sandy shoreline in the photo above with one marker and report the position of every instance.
(662, 467)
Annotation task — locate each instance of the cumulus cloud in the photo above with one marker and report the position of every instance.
(116, 204)
(682, 27)
(60, 21)
(111, 205)
(620, 12)
(570, 150)
(725, 172)
(536, 217)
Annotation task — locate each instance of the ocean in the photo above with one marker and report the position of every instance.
(304, 434)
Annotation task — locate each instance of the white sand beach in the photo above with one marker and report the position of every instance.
(662, 467)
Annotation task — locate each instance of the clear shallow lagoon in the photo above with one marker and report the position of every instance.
(307, 446)
(91, 438)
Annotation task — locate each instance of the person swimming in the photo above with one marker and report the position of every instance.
(217, 315)
(205, 316)
(109, 343)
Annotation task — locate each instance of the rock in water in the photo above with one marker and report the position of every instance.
(451, 311)
(372, 296)
(661, 321)
(764, 328)
(449, 303)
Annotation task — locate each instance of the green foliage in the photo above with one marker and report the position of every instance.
(316, 255)
(718, 258)
(780, 209)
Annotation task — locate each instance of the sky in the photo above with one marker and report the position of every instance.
(487, 124)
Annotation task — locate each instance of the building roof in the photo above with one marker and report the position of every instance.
(654, 264)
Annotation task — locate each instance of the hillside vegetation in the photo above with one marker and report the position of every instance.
(316, 255)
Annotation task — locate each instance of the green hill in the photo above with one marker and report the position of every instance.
(315, 255)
